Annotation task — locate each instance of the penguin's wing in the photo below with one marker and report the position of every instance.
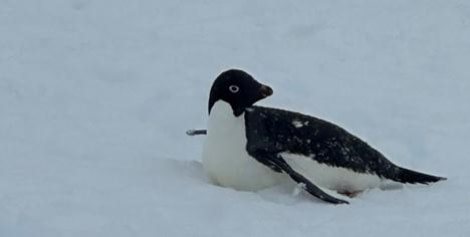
(194, 132)
(278, 164)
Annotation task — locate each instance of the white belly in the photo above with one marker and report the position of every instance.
(224, 156)
(339, 179)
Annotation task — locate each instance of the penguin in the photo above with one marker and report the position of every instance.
(250, 147)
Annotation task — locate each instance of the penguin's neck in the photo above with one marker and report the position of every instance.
(223, 120)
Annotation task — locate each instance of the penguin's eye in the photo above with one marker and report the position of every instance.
(234, 89)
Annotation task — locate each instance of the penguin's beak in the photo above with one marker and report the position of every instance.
(265, 91)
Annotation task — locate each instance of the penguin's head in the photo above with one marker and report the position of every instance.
(239, 89)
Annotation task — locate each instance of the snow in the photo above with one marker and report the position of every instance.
(95, 97)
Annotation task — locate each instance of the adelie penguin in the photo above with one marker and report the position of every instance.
(250, 147)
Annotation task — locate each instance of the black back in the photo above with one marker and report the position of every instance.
(279, 131)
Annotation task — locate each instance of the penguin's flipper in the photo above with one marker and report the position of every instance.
(278, 164)
(194, 132)
(308, 185)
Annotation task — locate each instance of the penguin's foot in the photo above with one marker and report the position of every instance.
(350, 194)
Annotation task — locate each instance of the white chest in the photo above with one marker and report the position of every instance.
(225, 159)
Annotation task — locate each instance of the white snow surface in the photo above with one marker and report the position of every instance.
(95, 98)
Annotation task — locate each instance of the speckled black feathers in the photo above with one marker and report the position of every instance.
(275, 131)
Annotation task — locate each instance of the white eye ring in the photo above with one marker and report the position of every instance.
(234, 88)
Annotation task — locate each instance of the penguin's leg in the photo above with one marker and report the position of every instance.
(277, 163)
(349, 193)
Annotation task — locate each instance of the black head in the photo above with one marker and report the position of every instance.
(239, 89)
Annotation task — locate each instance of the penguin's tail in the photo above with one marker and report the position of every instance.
(409, 176)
